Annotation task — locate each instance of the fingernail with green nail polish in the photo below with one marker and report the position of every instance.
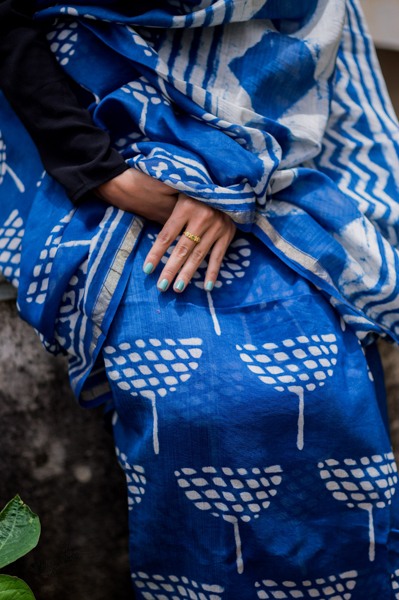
(162, 285)
(209, 286)
(148, 268)
(179, 285)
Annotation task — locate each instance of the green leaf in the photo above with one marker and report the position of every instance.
(12, 588)
(19, 531)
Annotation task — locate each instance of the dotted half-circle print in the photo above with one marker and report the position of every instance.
(41, 273)
(365, 483)
(63, 39)
(238, 494)
(11, 234)
(152, 365)
(234, 264)
(151, 368)
(294, 365)
(71, 322)
(306, 361)
(135, 479)
(360, 482)
(225, 492)
(334, 587)
(171, 587)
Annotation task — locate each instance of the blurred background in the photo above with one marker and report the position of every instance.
(60, 458)
(383, 20)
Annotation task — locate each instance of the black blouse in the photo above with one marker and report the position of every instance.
(73, 150)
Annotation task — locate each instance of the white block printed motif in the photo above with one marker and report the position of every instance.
(152, 368)
(233, 266)
(395, 584)
(135, 479)
(233, 494)
(41, 273)
(71, 310)
(11, 234)
(365, 483)
(6, 169)
(144, 93)
(334, 587)
(171, 587)
(294, 365)
(63, 41)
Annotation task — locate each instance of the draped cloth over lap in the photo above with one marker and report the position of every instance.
(273, 112)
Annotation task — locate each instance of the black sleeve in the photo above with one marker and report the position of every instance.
(73, 150)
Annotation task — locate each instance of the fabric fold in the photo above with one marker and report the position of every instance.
(273, 113)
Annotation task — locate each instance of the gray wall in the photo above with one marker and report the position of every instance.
(60, 459)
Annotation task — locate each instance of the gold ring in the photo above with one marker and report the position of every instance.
(192, 237)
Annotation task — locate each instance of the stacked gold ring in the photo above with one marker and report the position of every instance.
(192, 237)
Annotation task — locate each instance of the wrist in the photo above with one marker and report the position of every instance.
(121, 191)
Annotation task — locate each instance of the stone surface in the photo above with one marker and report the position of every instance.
(390, 359)
(60, 459)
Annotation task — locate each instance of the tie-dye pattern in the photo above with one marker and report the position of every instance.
(252, 435)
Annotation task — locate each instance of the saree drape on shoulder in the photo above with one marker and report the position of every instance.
(275, 113)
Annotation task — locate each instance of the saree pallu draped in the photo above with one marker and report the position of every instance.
(258, 462)
(275, 113)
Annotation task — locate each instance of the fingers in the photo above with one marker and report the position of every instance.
(185, 253)
(166, 237)
(215, 230)
(215, 260)
(186, 212)
(216, 250)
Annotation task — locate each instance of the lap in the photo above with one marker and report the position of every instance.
(245, 420)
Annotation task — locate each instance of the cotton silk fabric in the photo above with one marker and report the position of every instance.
(252, 432)
(249, 422)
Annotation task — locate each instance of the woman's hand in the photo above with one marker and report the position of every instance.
(137, 192)
(147, 197)
(216, 231)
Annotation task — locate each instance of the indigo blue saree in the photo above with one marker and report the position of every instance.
(250, 421)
